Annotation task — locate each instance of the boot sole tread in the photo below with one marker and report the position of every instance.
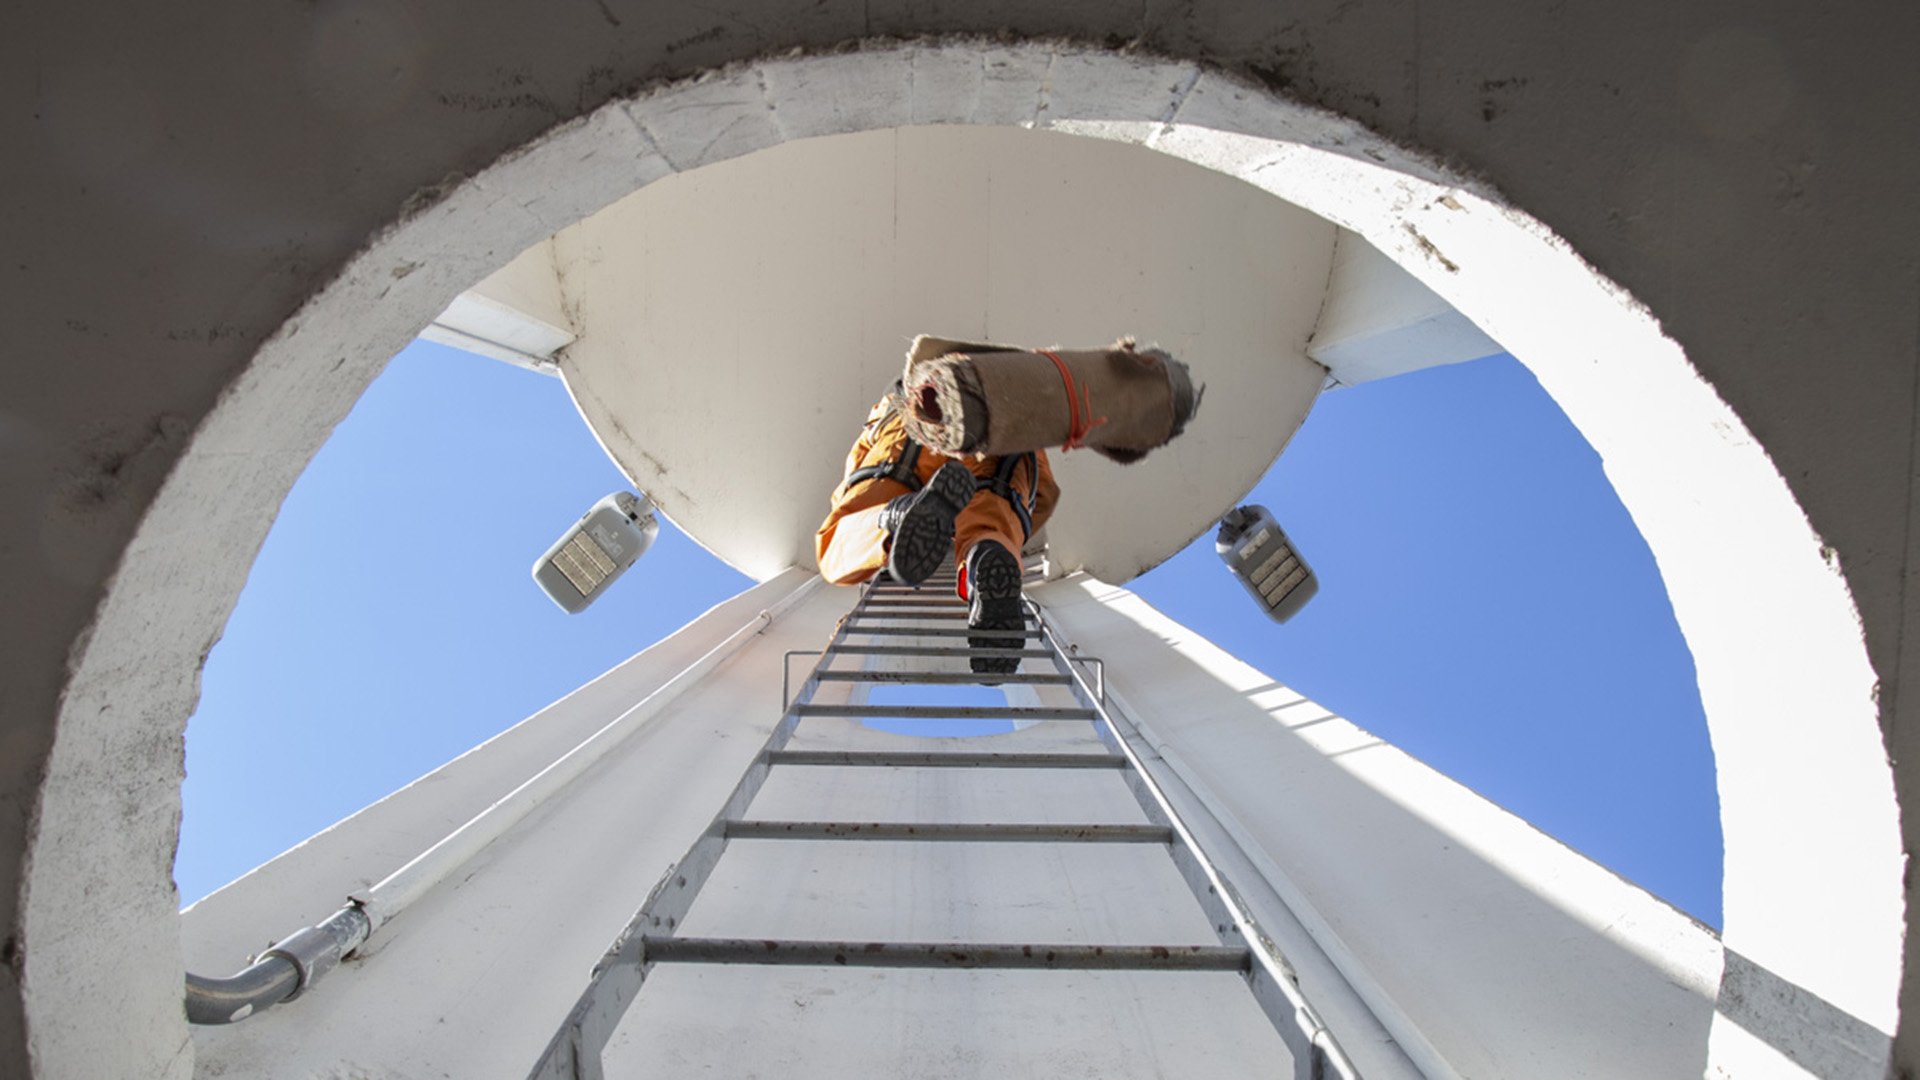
(924, 538)
(995, 585)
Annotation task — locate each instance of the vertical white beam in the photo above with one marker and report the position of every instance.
(1378, 320)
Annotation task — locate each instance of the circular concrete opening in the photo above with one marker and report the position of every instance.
(1751, 588)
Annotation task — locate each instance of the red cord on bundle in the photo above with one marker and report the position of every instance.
(1080, 419)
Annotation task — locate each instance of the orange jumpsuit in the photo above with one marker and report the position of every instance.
(851, 545)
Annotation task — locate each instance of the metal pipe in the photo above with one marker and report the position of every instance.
(294, 964)
(786, 671)
(282, 973)
(265, 983)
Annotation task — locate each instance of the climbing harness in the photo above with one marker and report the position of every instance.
(901, 469)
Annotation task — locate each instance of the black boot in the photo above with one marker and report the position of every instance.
(993, 589)
(921, 524)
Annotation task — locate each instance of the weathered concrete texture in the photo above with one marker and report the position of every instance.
(183, 182)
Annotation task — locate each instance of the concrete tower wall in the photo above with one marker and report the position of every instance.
(1742, 171)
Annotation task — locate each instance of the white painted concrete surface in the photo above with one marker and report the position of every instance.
(1380, 321)
(1420, 918)
(889, 1024)
(393, 894)
(474, 978)
(1759, 239)
(1486, 947)
(736, 323)
(513, 315)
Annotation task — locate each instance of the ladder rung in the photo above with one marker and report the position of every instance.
(938, 631)
(951, 712)
(951, 832)
(947, 759)
(911, 954)
(931, 650)
(947, 614)
(945, 677)
(575, 1050)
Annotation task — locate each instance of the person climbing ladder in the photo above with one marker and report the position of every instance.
(952, 462)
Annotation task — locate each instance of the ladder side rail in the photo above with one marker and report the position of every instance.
(560, 1061)
(685, 879)
(575, 1051)
(1316, 1054)
(1236, 856)
(674, 896)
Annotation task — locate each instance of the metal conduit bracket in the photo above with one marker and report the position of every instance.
(316, 950)
(282, 973)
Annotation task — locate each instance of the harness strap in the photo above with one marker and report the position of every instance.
(900, 470)
(1001, 484)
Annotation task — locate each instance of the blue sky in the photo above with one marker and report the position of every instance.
(1485, 604)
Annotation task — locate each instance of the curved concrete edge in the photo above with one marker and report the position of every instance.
(1753, 586)
(101, 912)
(109, 807)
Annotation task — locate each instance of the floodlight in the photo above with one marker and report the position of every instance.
(1253, 546)
(606, 540)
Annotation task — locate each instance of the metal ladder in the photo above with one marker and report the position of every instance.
(886, 613)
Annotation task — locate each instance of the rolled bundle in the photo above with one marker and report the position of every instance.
(970, 399)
